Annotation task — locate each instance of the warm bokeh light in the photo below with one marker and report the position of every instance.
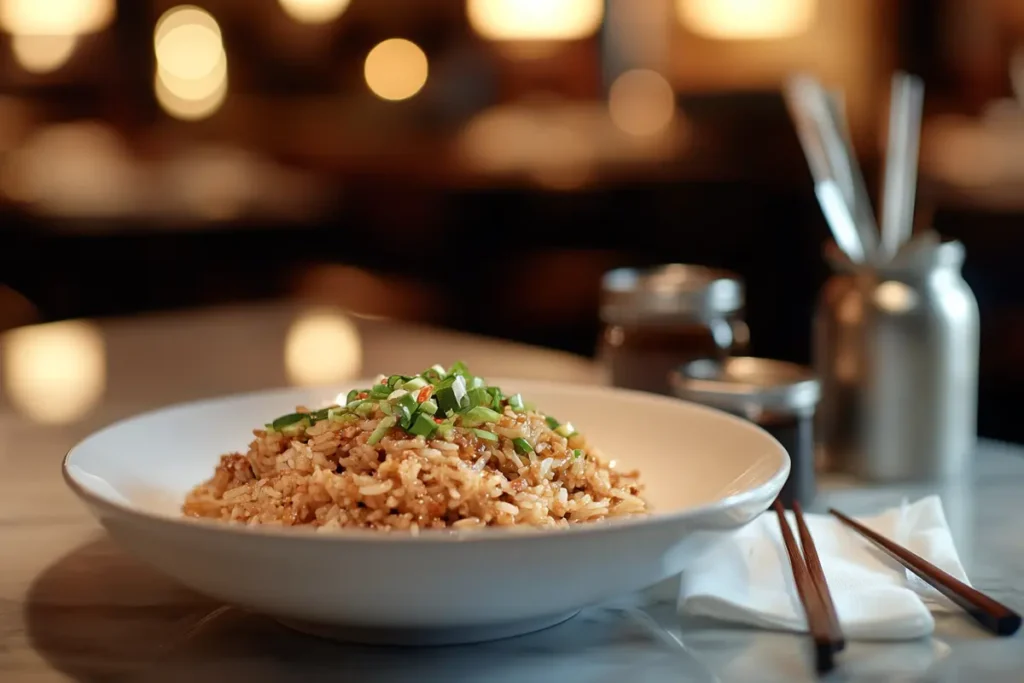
(322, 347)
(535, 19)
(187, 108)
(554, 149)
(42, 54)
(396, 69)
(747, 19)
(314, 11)
(641, 102)
(187, 42)
(55, 17)
(192, 74)
(81, 168)
(55, 373)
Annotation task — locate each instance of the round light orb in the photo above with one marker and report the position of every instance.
(396, 69)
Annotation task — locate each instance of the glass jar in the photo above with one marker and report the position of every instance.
(657, 319)
(779, 397)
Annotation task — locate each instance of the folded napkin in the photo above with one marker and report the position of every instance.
(745, 577)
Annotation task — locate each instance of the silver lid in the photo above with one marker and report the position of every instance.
(748, 386)
(664, 293)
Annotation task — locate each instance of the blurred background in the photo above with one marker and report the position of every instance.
(478, 164)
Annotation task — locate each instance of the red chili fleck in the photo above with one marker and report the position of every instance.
(384, 381)
(423, 395)
(438, 420)
(362, 394)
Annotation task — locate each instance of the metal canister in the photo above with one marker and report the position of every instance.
(659, 318)
(780, 397)
(896, 348)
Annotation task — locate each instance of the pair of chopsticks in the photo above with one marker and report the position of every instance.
(990, 614)
(812, 587)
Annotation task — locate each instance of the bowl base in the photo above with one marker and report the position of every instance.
(426, 637)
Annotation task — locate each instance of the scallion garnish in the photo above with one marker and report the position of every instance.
(522, 446)
(475, 417)
(485, 435)
(452, 395)
(429, 404)
(381, 429)
(288, 420)
(415, 383)
(423, 425)
(480, 397)
(566, 430)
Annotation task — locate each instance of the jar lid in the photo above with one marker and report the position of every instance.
(748, 385)
(670, 291)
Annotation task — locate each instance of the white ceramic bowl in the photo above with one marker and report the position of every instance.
(703, 470)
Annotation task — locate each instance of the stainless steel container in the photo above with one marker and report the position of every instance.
(659, 318)
(896, 349)
(777, 396)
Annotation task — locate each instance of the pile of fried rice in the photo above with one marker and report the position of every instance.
(355, 465)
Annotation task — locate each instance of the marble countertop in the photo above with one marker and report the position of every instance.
(74, 607)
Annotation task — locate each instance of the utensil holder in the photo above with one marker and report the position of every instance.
(896, 351)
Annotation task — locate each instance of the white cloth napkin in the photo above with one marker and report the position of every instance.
(746, 577)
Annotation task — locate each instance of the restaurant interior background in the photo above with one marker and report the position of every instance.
(478, 164)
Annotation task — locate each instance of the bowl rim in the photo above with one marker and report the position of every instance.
(653, 520)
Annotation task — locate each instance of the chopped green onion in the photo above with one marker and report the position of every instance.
(342, 414)
(480, 397)
(365, 408)
(459, 368)
(423, 425)
(395, 380)
(485, 435)
(380, 391)
(445, 429)
(387, 408)
(496, 397)
(435, 373)
(351, 396)
(429, 407)
(382, 428)
(415, 383)
(405, 408)
(515, 402)
(552, 422)
(565, 430)
(577, 453)
(288, 420)
(477, 383)
(522, 445)
(318, 415)
(479, 415)
(452, 396)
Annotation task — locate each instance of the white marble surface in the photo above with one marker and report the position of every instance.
(74, 607)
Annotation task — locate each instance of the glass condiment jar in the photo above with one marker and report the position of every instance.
(656, 319)
(779, 397)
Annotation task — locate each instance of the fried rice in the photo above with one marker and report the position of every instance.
(457, 454)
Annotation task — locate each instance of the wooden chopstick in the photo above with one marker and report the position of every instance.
(992, 615)
(818, 576)
(817, 618)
